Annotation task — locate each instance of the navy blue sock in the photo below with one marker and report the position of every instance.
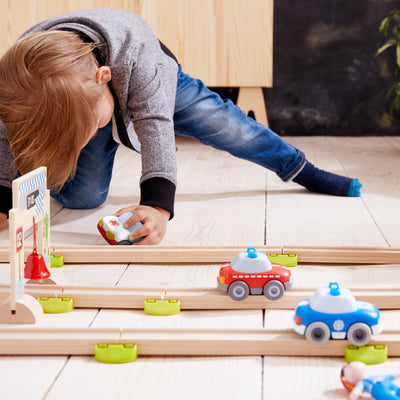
(317, 180)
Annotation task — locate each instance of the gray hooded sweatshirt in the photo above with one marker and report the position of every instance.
(144, 78)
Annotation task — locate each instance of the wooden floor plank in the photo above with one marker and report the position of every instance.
(352, 277)
(311, 378)
(28, 377)
(218, 197)
(164, 277)
(96, 275)
(296, 216)
(172, 378)
(376, 162)
(233, 319)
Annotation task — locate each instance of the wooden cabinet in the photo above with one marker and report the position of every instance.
(222, 42)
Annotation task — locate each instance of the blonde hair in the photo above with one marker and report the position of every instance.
(48, 99)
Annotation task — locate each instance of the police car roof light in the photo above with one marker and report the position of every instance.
(334, 289)
(251, 252)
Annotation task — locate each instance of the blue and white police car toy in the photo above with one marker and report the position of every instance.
(333, 312)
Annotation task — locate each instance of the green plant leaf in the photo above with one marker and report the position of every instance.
(396, 32)
(389, 92)
(395, 105)
(392, 21)
(396, 15)
(388, 43)
(383, 27)
(398, 55)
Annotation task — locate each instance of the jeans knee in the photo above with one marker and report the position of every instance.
(88, 201)
(94, 201)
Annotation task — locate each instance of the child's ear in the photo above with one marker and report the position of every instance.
(103, 75)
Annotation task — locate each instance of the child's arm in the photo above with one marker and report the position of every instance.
(151, 103)
(154, 220)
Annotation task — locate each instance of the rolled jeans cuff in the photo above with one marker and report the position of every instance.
(294, 168)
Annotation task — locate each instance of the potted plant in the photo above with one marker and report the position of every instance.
(391, 24)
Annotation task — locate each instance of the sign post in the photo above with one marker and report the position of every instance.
(30, 199)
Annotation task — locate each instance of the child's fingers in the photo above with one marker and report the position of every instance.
(124, 210)
(154, 223)
(137, 233)
(145, 241)
(136, 217)
(152, 238)
(145, 230)
(150, 231)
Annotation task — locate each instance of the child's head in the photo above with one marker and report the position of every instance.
(50, 101)
(352, 373)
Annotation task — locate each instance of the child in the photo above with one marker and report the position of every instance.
(77, 85)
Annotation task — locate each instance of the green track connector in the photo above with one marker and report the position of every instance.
(56, 260)
(288, 260)
(377, 354)
(56, 305)
(162, 307)
(115, 353)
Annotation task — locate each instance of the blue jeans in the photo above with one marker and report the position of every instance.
(202, 114)
(199, 113)
(90, 185)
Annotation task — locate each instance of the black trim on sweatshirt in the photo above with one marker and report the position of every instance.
(167, 51)
(158, 192)
(5, 199)
(119, 121)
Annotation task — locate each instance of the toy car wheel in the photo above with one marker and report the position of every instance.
(359, 334)
(125, 243)
(273, 290)
(318, 333)
(238, 290)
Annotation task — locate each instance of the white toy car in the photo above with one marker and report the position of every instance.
(113, 231)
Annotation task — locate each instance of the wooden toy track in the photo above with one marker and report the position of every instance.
(204, 255)
(191, 342)
(190, 299)
(25, 340)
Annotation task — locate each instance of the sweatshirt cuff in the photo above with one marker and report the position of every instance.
(5, 199)
(158, 192)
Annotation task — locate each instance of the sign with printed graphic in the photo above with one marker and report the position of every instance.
(32, 191)
(19, 239)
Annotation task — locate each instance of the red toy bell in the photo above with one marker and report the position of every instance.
(35, 267)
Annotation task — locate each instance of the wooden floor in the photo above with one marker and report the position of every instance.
(222, 201)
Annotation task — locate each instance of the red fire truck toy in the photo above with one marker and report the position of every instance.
(251, 272)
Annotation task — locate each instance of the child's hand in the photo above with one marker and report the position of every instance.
(3, 221)
(154, 220)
